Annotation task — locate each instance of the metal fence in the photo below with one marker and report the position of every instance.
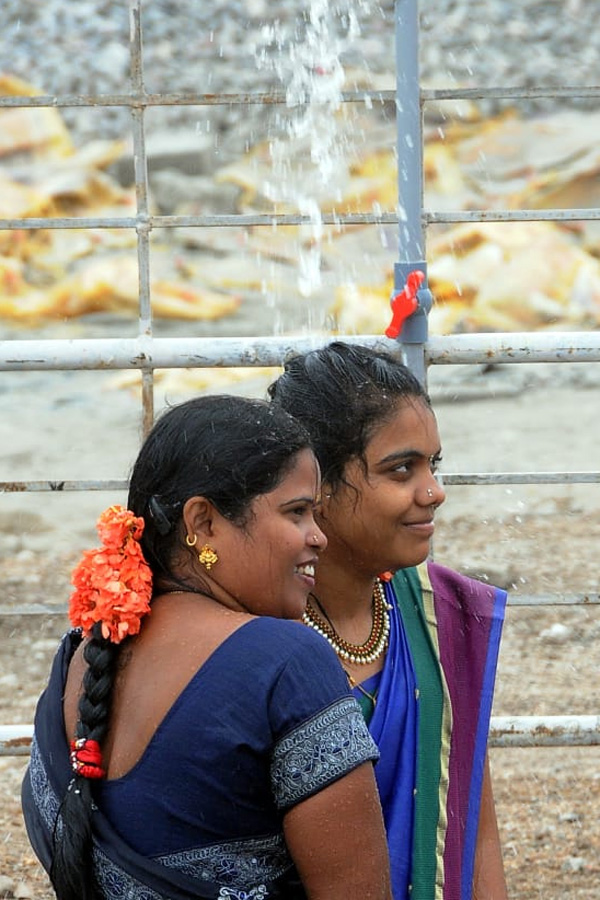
(146, 353)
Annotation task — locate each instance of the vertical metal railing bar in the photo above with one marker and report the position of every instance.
(409, 140)
(144, 226)
(409, 133)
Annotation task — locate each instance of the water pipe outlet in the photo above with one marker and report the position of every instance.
(410, 304)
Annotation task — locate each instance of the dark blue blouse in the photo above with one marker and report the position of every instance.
(264, 723)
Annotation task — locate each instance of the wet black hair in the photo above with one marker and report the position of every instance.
(227, 449)
(342, 393)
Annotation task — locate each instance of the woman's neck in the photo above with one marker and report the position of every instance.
(344, 599)
(345, 594)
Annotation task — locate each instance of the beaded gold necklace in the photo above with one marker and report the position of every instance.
(361, 654)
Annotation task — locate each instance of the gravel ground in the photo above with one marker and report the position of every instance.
(547, 799)
(82, 48)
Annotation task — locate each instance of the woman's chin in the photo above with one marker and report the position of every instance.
(408, 560)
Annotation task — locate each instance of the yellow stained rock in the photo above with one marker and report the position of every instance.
(38, 131)
(490, 277)
(111, 285)
(444, 180)
(12, 282)
(362, 308)
(192, 381)
(19, 201)
(355, 186)
(495, 276)
(512, 277)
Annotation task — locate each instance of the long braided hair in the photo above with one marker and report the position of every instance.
(227, 449)
(71, 872)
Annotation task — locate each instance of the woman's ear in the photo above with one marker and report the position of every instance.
(326, 495)
(198, 514)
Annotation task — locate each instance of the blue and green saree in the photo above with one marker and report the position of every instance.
(430, 722)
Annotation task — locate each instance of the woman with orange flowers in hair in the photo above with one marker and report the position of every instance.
(194, 741)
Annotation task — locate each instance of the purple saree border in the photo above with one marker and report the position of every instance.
(481, 742)
(469, 616)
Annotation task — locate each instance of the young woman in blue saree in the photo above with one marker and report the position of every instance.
(419, 643)
(194, 741)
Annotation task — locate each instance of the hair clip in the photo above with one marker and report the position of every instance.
(159, 516)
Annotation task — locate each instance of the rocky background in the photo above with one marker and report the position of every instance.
(81, 48)
(532, 540)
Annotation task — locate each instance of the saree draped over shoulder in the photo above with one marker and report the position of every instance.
(431, 722)
(266, 722)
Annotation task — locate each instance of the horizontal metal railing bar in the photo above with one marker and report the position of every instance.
(534, 600)
(450, 479)
(18, 487)
(510, 93)
(7, 610)
(272, 220)
(15, 740)
(521, 478)
(505, 731)
(139, 100)
(518, 215)
(513, 347)
(544, 731)
(146, 352)
(585, 599)
(145, 222)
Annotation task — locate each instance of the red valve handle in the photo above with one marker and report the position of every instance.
(405, 303)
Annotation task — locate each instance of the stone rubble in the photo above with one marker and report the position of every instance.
(83, 48)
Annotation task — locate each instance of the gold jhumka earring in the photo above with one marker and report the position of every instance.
(207, 557)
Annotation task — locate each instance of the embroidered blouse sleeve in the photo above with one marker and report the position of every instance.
(319, 732)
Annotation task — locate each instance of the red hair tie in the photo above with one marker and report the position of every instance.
(86, 758)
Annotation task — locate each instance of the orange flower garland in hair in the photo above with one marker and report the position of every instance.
(113, 584)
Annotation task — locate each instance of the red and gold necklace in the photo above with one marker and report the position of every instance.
(361, 654)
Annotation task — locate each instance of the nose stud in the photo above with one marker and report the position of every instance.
(315, 538)
(429, 492)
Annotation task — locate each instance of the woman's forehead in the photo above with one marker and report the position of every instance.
(408, 419)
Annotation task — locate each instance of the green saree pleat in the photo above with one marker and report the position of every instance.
(416, 610)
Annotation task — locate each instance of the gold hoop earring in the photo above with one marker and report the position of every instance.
(207, 557)
(190, 542)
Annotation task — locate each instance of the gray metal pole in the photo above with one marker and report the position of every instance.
(408, 122)
(413, 335)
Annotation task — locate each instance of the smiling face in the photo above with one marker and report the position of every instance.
(382, 518)
(271, 562)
